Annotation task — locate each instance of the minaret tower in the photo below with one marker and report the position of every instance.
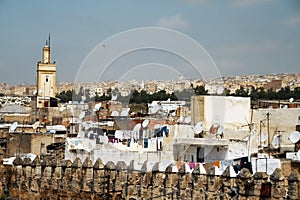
(46, 78)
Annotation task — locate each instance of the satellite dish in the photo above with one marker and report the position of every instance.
(298, 154)
(34, 92)
(87, 126)
(294, 137)
(216, 125)
(156, 126)
(187, 120)
(62, 108)
(90, 133)
(291, 99)
(155, 108)
(198, 127)
(98, 106)
(104, 139)
(276, 141)
(220, 130)
(82, 114)
(125, 112)
(72, 121)
(80, 134)
(114, 97)
(220, 90)
(114, 113)
(35, 125)
(137, 127)
(180, 119)
(13, 127)
(145, 123)
(263, 137)
(110, 123)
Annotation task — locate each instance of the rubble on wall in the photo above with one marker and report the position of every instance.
(63, 179)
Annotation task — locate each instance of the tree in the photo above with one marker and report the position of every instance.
(200, 90)
(296, 93)
(226, 92)
(241, 92)
(284, 93)
(65, 96)
(258, 93)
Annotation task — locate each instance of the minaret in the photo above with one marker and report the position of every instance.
(46, 77)
(46, 52)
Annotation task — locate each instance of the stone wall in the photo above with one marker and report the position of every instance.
(24, 142)
(52, 179)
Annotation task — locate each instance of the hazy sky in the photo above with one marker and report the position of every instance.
(242, 37)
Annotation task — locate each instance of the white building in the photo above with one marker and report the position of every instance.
(164, 106)
(232, 113)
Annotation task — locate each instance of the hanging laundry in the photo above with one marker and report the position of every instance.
(214, 129)
(179, 164)
(217, 163)
(193, 165)
(128, 142)
(145, 142)
(140, 134)
(157, 132)
(153, 142)
(165, 131)
(160, 143)
(127, 134)
(119, 134)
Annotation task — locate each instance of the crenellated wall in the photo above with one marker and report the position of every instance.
(51, 179)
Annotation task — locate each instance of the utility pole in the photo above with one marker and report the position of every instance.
(269, 140)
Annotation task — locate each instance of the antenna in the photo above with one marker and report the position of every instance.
(49, 40)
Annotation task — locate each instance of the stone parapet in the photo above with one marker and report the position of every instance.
(52, 179)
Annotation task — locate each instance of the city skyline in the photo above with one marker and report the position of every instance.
(242, 37)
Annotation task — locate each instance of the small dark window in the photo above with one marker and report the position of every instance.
(47, 79)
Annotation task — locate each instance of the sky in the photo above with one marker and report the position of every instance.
(237, 37)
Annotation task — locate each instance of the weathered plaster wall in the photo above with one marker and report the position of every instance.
(231, 112)
(283, 120)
